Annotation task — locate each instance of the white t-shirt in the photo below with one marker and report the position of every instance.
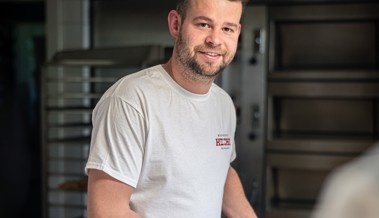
(173, 146)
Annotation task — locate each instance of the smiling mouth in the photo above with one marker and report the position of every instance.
(211, 54)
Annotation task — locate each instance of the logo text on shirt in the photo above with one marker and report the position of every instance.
(223, 141)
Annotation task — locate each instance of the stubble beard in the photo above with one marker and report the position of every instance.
(192, 68)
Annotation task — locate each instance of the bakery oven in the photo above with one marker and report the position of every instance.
(322, 98)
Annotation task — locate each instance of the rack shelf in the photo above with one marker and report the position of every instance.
(319, 146)
(294, 212)
(72, 83)
(325, 75)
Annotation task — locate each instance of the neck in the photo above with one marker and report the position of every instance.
(189, 83)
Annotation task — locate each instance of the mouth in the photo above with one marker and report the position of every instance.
(211, 55)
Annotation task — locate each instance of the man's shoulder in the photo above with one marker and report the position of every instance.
(138, 81)
(144, 75)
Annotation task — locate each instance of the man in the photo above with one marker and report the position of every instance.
(162, 140)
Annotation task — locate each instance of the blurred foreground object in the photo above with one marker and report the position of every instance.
(352, 191)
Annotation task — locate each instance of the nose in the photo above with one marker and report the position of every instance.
(213, 38)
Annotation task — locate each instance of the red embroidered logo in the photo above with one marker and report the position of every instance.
(223, 142)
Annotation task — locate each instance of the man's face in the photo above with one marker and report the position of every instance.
(208, 37)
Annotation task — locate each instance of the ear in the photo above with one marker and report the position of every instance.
(174, 22)
(239, 29)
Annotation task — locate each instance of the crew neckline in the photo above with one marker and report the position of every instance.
(180, 89)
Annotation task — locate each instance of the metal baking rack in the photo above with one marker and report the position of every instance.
(71, 84)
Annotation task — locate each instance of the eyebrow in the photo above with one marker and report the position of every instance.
(232, 25)
(204, 18)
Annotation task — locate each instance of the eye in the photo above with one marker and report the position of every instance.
(204, 25)
(228, 30)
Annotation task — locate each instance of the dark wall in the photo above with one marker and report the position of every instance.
(20, 184)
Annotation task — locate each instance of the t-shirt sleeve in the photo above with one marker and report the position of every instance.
(233, 119)
(233, 155)
(117, 140)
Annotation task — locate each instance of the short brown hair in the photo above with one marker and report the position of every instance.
(183, 5)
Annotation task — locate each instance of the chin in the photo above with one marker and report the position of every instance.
(212, 72)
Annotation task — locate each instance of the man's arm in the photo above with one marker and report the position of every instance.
(108, 197)
(235, 203)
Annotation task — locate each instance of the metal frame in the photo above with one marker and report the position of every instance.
(78, 134)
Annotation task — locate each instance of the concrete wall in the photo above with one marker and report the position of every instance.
(68, 25)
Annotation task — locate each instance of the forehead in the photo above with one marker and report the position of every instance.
(228, 11)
